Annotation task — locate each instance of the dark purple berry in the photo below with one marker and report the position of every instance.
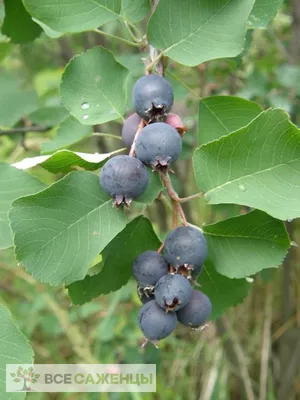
(149, 267)
(186, 246)
(158, 144)
(124, 178)
(197, 311)
(152, 97)
(173, 292)
(155, 323)
(130, 128)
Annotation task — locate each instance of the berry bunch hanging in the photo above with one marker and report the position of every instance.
(154, 137)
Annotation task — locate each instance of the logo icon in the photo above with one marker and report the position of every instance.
(27, 376)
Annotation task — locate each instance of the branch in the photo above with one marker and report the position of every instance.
(140, 127)
(25, 129)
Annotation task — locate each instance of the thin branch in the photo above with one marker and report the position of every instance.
(25, 129)
(117, 38)
(110, 135)
(175, 199)
(140, 127)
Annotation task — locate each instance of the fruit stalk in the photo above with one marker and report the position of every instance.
(132, 149)
(175, 199)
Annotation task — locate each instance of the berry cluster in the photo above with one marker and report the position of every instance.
(164, 282)
(154, 136)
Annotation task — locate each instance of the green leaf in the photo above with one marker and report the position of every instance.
(153, 189)
(263, 12)
(135, 10)
(93, 87)
(17, 24)
(244, 245)
(64, 161)
(257, 166)
(118, 257)
(220, 115)
(14, 101)
(193, 31)
(48, 116)
(59, 231)
(14, 349)
(13, 184)
(222, 292)
(70, 131)
(73, 15)
(13, 375)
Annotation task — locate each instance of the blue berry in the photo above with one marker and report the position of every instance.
(124, 178)
(173, 292)
(197, 310)
(155, 323)
(152, 97)
(130, 128)
(158, 144)
(149, 267)
(185, 245)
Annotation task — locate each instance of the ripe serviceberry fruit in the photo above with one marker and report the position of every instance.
(124, 178)
(186, 246)
(152, 97)
(173, 292)
(158, 144)
(130, 128)
(197, 310)
(149, 267)
(175, 121)
(155, 323)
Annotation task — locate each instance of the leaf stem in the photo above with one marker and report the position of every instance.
(189, 198)
(150, 66)
(117, 38)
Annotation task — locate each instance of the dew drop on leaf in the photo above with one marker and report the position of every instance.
(85, 106)
(85, 116)
(242, 187)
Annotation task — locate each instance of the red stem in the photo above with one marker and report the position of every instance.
(140, 127)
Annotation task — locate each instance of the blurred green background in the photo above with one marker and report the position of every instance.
(225, 359)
